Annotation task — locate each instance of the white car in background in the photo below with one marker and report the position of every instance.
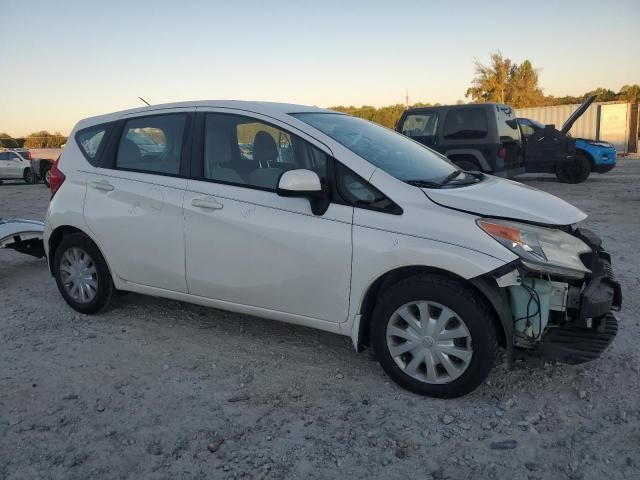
(354, 229)
(15, 166)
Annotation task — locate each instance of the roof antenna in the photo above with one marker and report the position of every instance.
(148, 104)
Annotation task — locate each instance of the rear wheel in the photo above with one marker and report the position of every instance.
(46, 176)
(576, 171)
(467, 164)
(81, 274)
(434, 336)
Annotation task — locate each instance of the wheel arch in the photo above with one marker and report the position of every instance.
(62, 231)
(470, 154)
(484, 287)
(587, 154)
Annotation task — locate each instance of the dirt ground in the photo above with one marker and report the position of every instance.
(161, 389)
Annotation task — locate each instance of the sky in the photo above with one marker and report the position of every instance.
(66, 60)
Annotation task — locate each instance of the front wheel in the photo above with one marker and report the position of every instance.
(576, 171)
(28, 176)
(434, 336)
(82, 275)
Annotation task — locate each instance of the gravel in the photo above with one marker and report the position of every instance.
(90, 397)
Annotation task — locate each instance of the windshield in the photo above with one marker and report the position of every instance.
(536, 123)
(390, 151)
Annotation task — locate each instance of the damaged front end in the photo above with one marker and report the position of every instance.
(24, 236)
(559, 297)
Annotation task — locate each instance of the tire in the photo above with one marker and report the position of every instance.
(99, 296)
(574, 172)
(468, 165)
(470, 312)
(28, 176)
(46, 174)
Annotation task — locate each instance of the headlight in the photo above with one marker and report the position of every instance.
(546, 250)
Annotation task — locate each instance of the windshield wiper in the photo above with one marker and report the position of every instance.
(423, 183)
(450, 177)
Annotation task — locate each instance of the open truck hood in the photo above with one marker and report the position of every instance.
(566, 126)
(497, 197)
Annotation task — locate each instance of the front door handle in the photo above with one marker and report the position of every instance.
(208, 203)
(101, 185)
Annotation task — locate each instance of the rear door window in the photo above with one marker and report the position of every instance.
(152, 144)
(465, 123)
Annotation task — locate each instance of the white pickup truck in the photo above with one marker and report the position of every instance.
(41, 161)
(15, 165)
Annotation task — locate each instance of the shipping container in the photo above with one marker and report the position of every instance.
(607, 121)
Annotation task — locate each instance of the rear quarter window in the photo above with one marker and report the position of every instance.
(465, 124)
(91, 140)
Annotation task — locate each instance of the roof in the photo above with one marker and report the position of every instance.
(272, 108)
(463, 105)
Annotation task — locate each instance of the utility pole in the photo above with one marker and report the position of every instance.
(406, 99)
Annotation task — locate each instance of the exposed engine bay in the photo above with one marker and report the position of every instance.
(567, 316)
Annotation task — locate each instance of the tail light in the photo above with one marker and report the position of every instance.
(29, 155)
(502, 152)
(56, 177)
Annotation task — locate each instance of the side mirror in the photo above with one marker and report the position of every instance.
(306, 184)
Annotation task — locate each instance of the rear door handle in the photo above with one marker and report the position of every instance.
(208, 203)
(101, 185)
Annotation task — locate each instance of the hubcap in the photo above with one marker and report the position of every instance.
(429, 342)
(78, 274)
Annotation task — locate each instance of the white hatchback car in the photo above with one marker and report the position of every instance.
(321, 219)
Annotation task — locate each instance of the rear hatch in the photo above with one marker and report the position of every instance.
(510, 139)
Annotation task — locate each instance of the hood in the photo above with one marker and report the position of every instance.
(577, 114)
(497, 197)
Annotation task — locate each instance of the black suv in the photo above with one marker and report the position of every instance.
(482, 137)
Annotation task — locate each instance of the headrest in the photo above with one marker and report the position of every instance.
(264, 147)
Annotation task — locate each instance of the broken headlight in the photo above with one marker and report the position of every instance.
(545, 250)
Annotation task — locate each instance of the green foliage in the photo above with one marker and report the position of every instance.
(630, 93)
(504, 81)
(44, 139)
(491, 81)
(602, 95)
(522, 87)
(387, 116)
(6, 141)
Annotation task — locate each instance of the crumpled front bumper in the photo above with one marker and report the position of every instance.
(593, 326)
(603, 292)
(24, 236)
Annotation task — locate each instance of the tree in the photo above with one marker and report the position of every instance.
(602, 95)
(522, 87)
(6, 141)
(490, 82)
(630, 93)
(504, 81)
(387, 116)
(44, 139)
